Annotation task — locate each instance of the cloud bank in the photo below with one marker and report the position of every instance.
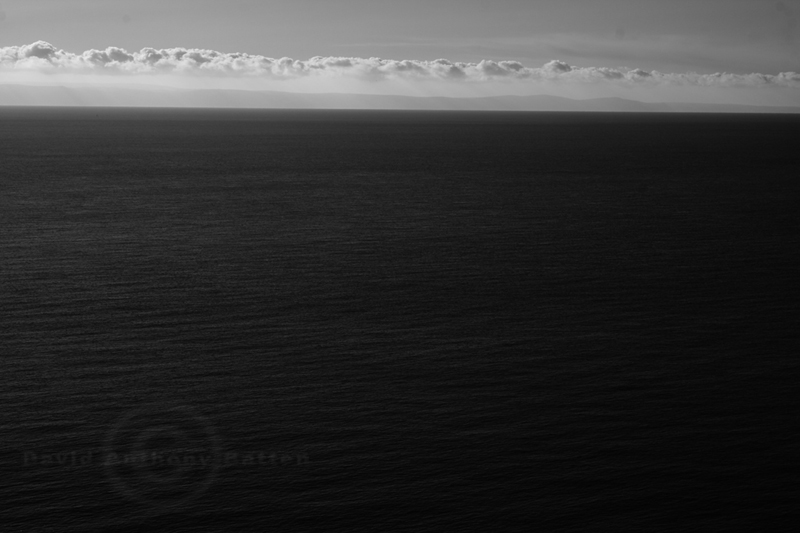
(45, 58)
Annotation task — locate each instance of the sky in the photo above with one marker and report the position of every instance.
(732, 51)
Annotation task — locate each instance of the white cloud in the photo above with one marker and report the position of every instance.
(44, 57)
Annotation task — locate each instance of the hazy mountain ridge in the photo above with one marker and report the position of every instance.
(21, 95)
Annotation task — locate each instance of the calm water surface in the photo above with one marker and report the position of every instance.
(389, 321)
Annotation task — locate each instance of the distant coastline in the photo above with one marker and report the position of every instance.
(25, 95)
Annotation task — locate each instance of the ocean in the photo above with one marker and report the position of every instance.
(284, 320)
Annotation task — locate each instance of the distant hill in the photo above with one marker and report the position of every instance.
(138, 96)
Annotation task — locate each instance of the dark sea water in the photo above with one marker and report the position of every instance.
(397, 321)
